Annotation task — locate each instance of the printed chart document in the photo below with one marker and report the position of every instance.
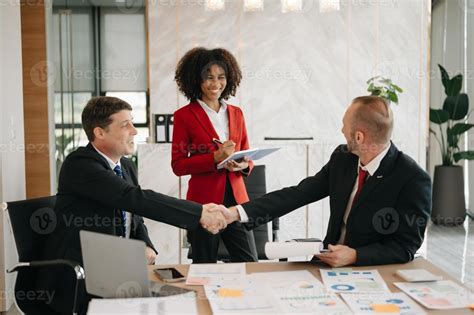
(238, 297)
(298, 292)
(276, 250)
(385, 303)
(439, 295)
(203, 274)
(346, 280)
(178, 304)
(252, 154)
(287, 292)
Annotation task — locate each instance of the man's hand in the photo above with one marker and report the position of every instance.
(212, 218)
(231, 215)
(339, 255)
(150, 255)
(233, 166)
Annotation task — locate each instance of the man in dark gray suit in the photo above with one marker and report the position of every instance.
(98, 191)
(380, 199)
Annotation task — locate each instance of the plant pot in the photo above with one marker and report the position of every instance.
(449, 205)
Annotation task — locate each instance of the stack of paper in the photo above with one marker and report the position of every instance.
(277, 250)
(417, 275)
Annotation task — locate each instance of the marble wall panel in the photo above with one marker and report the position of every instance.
(162, 23)
(408, 68)
(154, 172)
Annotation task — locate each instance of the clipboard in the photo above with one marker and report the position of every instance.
(251, 154)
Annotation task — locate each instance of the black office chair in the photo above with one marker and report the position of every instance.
(256, 186)
(29, 221)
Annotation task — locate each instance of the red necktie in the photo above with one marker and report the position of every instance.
(360, 182)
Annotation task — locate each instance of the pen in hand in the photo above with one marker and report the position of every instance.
(216, 141)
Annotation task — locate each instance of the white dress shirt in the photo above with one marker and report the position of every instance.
(371, 168)
(128, 215)
(219, 120)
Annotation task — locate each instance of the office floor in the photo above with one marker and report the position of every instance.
(450, 248)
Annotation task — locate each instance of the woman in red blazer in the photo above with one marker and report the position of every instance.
(206, 131)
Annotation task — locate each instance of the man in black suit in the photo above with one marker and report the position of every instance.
(98, 191)
(380, 199)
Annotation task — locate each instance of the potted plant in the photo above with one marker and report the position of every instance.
(385, 88)
(449, 206)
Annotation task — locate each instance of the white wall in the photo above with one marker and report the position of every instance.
(12, 166)
(300, 70)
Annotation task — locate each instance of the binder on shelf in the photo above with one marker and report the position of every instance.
(163, 128)
(169, 127)
(160, 128)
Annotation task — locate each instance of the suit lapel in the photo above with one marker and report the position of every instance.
(233, 132)
(203, 119)
(350, 175)
(91, 148)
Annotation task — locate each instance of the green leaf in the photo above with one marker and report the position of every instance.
(465, 155)
(376, 92)
(444, 77)
(452, 138)
(455, 86)
(397, 88)
(371, 79)
(392, 96)
(460, 128)
(457, 106)
(438, 116)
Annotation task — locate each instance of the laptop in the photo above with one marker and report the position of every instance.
(115, 267)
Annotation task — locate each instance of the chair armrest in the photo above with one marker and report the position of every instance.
(80, 275)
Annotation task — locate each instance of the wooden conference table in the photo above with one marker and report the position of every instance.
(387, 272)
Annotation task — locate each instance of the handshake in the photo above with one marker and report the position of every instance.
(215, 218)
